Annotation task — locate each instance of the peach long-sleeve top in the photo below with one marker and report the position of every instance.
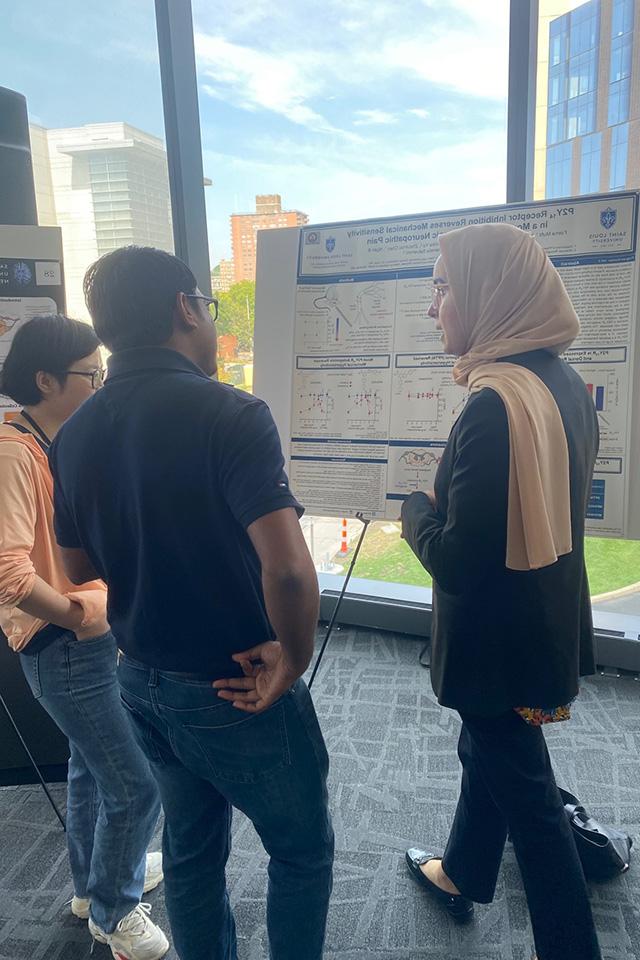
(27, 542)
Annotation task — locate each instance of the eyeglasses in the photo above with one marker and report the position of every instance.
(438, 292)
(211, 302)
(97, 377)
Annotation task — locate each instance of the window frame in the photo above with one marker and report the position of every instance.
(397, 607)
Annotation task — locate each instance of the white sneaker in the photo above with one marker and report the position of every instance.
(80, 907)
(135, 937)
(153, 876)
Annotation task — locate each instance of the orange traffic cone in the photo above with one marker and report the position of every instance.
(343, 542)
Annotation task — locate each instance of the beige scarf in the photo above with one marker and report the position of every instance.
(510, 300)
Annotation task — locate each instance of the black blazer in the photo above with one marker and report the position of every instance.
(504, 638)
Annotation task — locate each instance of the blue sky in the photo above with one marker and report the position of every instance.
(350, 108)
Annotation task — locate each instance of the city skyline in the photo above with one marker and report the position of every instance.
(349, 122)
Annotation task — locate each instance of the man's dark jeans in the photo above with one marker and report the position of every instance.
(207, 757)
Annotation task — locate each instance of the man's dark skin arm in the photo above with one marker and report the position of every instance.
(290, 586)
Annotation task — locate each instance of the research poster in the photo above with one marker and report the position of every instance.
(373, 398)
(31, 283)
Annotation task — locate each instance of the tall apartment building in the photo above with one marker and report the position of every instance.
(588, 97)
(105, 185)
(269, 215)
(225, 277)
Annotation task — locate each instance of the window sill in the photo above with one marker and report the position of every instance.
(402, 608)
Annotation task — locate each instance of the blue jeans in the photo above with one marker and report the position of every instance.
(208, 757)
(112, 799)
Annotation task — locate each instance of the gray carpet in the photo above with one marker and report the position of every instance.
(394, 780)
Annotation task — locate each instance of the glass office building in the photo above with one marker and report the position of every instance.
(588, 102)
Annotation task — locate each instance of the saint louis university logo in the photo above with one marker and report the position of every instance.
(330, 244)
(608, 217)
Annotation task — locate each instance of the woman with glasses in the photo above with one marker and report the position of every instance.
(503, 537)
(67, 652)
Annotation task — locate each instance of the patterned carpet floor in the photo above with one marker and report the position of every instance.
(394, 782)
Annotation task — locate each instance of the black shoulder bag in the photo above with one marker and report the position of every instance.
(604, 851)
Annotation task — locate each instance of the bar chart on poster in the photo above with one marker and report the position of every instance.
(354, 369)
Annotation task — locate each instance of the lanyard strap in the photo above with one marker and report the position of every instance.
(27, 416)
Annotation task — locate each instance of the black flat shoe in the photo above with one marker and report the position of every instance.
(456, 905)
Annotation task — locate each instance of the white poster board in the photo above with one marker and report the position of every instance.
(354, 371)
(31, 283)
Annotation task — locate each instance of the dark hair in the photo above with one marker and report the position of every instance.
(52, 344)
(131, 295)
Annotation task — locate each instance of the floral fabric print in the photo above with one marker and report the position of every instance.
(537, 716)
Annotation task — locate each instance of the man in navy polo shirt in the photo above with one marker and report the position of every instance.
(171, 487)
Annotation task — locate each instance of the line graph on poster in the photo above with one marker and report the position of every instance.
(425, 402)
(316, 404)
(341, 403)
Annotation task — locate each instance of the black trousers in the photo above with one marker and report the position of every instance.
(508, 786)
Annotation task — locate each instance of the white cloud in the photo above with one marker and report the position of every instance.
(462, 46)
(352, 25)
(293, 69)
(252, 79)
(368, 117)
(458, 61)
(256, 78)
(473, 61)
(237, 15)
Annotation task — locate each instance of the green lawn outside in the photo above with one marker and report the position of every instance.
(612, 564)
(384, 556)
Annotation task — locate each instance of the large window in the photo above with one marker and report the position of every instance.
(619, 156)
(619, 101)
(337, 113)
(334, 144)
(559, 167)
(342, 111)
(585, 149)
(590, 163)
(96, 123)
(573, 73)
(621, 56)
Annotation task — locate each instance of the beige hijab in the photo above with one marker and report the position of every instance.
(510, 300)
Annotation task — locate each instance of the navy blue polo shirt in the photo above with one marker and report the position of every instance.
(157, 477)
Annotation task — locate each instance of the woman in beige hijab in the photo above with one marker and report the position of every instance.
(503, 537)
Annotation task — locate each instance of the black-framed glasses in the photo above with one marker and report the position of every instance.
(211, 302)
(97, 377)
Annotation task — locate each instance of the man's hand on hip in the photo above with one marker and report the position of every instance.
(267, 675)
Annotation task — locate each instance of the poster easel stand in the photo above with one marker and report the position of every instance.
(33, 763)
(365, 523)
